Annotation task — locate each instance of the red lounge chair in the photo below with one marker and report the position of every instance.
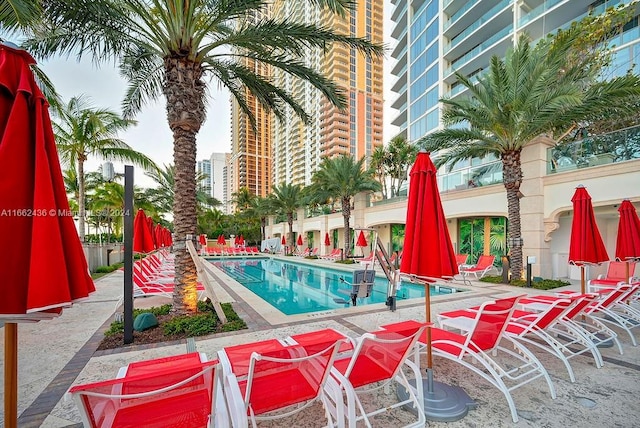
(268, 381)
(616, 275)
(480, 341)
(536, 329)
(481, 268)
(376, 362)
(181, 394)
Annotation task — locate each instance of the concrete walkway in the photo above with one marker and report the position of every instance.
(54, 355)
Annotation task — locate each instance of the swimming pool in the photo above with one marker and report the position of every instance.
(296, 288)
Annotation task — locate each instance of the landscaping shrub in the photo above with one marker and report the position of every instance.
(537, 282)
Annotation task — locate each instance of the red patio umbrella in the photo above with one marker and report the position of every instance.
(46, 269)
(628, 240)
(299, 240)
(221, 240)
(284, 241)
(586, 246)
(153, 237)
(428, 253)
(203, 240)
(142, 239)
(158, 232)
(241, 240)
(327, 241)
(361, 242)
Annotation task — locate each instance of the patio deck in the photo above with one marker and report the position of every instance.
(53, 355)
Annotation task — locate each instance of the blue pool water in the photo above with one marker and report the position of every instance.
(296, 288)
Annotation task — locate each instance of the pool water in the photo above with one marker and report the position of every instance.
(295, 288)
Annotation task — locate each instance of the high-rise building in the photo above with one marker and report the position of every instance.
(432, 43)
(218, 161)
(298, 147)
(251, 146)
(203, 168)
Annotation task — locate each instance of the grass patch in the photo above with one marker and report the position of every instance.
(537, 282)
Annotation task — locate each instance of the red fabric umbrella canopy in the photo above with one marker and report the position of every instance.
(362, 241)
(427, 251)
(158, 233)
(203, 239)
(45, 266)
(221, 240)
(241, 240)
(142, 240)
(327, 241)
(586, 244)
(299, 239)
(284, 241)
(628, 241)
(236, 240)
(153, 236)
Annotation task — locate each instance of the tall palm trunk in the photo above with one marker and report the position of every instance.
(290, 222)
(346, 214)
(512, 178)
(184, 92)
(81, 197)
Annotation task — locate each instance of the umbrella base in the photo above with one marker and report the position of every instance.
(442, 402)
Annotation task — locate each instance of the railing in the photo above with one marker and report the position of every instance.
(479, 49)
(617, 146)
(471, 176)
(490, 14)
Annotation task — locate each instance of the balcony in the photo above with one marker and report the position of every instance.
(471, 176)
(613, 147)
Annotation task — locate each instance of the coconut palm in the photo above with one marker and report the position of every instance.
(82, 131)
(286, 199)
(379, 168)
(342, 178)
(400, 155)
(531, 94)
(174, 48)
(261, 208)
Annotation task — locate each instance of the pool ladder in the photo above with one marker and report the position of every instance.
(390, 271)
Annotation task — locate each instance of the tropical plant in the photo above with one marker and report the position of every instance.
(82, 131)
(261, 208)
(242, 199)
(533, 93)
(172, 48)
(342, 178)
(378, 165)
(163, 195)
(286, 199)
(400, 155)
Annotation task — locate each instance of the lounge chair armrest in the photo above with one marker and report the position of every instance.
(234, 401)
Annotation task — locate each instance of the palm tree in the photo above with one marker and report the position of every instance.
(164, 194)
(173, 48)
(243, 199)
(533, 93)
(379, 166)
(286, 199)
(400, 155)
(261, 208)
(81, 131)
(342, 178)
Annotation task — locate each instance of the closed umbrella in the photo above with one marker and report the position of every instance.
(361, 242)
(299, 240)
(203, 240)
(46, 269)
(153, 237)
(327, 241)
(221, 240)
(428, 255)
(586, 246)
(142, 239)
(284, 241)
(628, 240)
(241, 241)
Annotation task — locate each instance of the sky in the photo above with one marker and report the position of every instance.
(152, 135)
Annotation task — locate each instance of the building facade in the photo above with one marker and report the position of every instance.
(218, 169)
(203, 168)
(251, 151)
(298, 148)
(434, 38)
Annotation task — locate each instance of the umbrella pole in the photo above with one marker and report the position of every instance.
(582, 285)
(11, 375)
